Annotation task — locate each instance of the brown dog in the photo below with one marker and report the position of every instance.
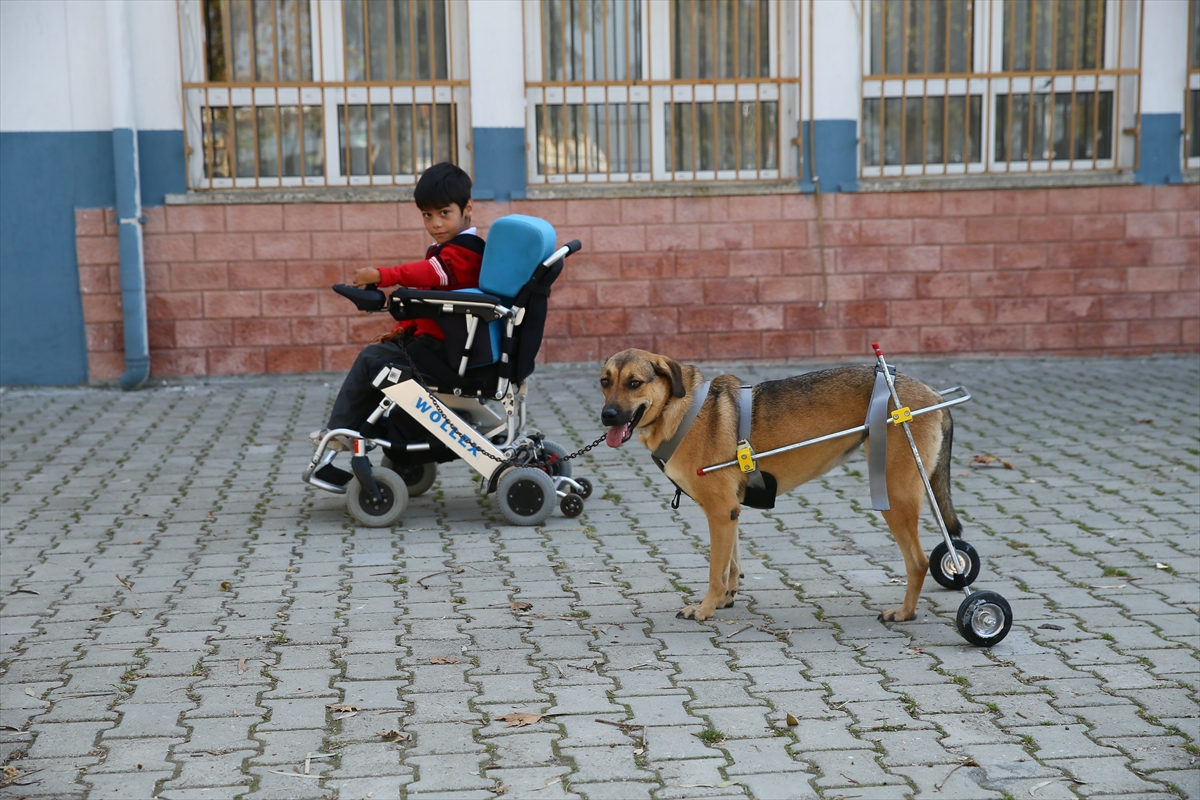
(651, 394)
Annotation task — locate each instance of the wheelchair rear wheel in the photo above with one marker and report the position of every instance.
(559, 468)
(364, 509)
(418, 477)
(526, 496)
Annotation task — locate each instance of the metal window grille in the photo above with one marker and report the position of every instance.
(311, 93)
(641, 90)
(1192, 97)
(999, 86)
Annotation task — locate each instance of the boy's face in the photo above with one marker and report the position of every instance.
(445, 223)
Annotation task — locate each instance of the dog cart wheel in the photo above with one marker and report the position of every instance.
(984, 618)
(560, 466)
(571, 505)
(585, 488)
(393, 493)
(942, 568)
(418, 477)
(526, 496)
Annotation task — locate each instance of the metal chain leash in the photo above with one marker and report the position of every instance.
(416, 376)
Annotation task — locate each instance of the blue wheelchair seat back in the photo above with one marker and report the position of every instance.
(516, 246)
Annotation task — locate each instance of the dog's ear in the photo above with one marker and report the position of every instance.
(670, 369)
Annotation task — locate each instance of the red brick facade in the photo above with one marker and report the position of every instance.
(1104, 270)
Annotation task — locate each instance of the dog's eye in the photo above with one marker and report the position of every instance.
(635, 383)
(605, 382)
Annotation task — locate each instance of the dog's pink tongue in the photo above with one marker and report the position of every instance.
(616, 435)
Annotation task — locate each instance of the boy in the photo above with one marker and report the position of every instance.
(452, 262)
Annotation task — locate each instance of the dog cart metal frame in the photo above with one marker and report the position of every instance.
(984, 618)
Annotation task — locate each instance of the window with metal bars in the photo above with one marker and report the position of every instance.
(644, 90)
(1191, 112)
(965, 86)
(290, 93)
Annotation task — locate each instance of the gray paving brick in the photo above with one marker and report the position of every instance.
(1118, 677)
(58, 740)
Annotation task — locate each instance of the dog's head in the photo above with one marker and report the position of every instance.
(637, 386)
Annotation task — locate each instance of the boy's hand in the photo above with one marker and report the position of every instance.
(365, 276)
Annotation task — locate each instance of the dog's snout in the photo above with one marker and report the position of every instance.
(608, 416)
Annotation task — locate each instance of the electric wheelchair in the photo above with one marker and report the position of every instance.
(432, 414)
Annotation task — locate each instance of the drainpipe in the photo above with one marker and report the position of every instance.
(129, 195)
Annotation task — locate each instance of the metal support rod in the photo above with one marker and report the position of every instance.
(848, 432)
(960, 566)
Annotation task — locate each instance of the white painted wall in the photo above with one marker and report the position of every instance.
(54, 73)
(837, 58)
(1164, 56)
(54, 65)
(497, 64)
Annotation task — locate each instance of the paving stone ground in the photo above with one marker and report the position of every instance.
(180, 617)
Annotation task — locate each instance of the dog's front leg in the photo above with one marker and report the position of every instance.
(723, 564)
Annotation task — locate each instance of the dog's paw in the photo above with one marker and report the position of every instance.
(693, 612)
(727, 601)
(897, 615)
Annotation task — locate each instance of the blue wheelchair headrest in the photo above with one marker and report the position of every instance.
(516, 244)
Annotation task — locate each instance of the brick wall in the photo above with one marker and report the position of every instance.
(245, 288)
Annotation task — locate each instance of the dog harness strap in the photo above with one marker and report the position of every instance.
(745, 412)
(877, 417)
(662, 454)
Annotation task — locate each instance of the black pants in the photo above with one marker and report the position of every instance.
(358, 396)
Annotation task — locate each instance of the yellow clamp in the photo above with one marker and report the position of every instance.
(902, 415)
(745, 456)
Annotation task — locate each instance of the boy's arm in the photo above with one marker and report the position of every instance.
(453, 268)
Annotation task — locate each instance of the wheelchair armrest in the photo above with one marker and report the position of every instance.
(418, 302)
(369, 299)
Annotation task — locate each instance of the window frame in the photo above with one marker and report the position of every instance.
(1119, 72)
(328, 88)
(657, 87)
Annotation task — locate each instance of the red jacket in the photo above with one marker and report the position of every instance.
(449, 266)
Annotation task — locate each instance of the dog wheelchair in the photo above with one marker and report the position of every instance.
(432, 416)
(984, 617)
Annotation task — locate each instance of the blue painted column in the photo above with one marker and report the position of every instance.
(1164, 81)
(834, 153)
(497, 99)
(832, 85)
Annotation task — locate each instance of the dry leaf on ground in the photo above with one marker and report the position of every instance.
(519, 720)
(520, 605)
(392, 735)
(348, 710)
(987, 461)
(443, 660)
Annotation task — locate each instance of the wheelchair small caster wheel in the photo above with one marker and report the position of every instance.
(585, 488)
(571, 505)
(941, 565)
(984, 618)
(526, 496)
(560, 466)
(394, 500)
(418, 477)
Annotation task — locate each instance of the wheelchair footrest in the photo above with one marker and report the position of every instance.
(331, 474)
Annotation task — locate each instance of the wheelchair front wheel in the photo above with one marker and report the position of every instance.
(526, 496)
(559, 468)
(418, 477)
(387, 512)
(941, 565)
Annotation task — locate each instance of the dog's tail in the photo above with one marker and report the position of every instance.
(940, 479)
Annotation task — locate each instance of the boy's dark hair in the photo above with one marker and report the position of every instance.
(441, 185)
